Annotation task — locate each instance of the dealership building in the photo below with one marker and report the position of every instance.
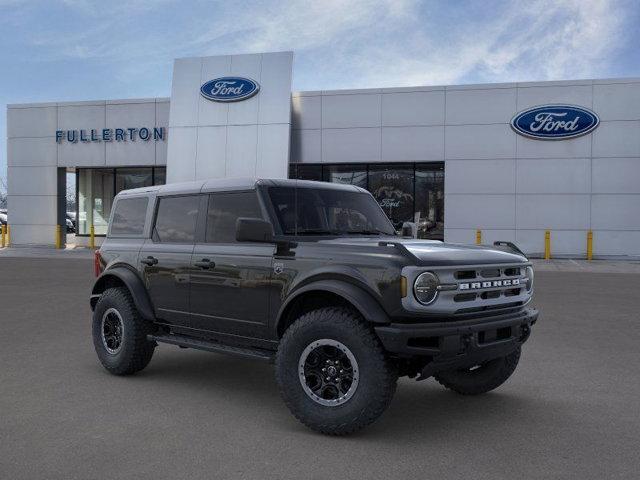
(513, 160)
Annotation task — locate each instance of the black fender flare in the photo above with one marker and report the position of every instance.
(133, 282)
(366, 304)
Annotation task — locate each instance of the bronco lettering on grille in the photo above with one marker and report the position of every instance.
(489, 284)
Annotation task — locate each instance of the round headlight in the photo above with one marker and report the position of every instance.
(529, 273)
(426, 288)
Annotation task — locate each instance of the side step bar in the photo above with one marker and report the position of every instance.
(211, 346)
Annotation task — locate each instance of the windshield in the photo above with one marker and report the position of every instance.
(318, 211)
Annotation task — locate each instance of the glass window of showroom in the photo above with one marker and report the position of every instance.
(97, 187)
(407, 192)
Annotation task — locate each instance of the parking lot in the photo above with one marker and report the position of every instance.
(570, 411)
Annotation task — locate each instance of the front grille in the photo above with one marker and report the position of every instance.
(493, 284)
(474, 290)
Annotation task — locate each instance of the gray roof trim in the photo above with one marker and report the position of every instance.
(232, 184)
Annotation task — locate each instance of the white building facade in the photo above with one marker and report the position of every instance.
(449, 158)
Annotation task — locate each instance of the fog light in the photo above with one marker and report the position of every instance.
(425, 288)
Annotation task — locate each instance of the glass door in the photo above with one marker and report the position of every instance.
(429, 209)
(392, 186)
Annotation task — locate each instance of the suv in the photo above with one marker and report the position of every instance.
(312, 277)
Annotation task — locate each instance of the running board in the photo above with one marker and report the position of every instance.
(211, 346)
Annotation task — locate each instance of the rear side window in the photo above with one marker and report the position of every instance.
(224, 209)
(129, 216)
(176, 219)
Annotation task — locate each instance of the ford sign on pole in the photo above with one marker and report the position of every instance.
(555, 122)
(229, 89)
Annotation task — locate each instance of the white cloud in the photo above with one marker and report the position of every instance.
(542, 40)
(338, 44)
(362, 43)
(556, 39)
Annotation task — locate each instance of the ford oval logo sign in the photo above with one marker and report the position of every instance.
(555, 122)
(229, 89)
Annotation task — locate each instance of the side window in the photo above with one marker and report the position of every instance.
(284, 202)
(176, 219)
(224, 209)
(129, 216)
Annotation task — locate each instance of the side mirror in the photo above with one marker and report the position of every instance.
(254, 230)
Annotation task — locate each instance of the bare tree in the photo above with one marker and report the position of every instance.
(3, 193)
(71, 192)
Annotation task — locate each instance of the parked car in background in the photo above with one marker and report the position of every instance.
(71, 222)
(71, 228)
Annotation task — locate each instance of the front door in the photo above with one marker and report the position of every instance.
(230, 281)
(165, 260)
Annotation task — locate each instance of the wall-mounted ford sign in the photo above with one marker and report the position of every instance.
(555, 122)
(229, 89)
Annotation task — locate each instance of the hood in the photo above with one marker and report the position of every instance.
(436, 253)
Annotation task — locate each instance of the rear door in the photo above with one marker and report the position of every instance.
(230, 280)
(165, 259)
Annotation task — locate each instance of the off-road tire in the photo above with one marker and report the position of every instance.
(483, 379)
(377, 374)
(136, 351)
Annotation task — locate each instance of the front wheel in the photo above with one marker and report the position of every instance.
(480, 378)
(333, 373)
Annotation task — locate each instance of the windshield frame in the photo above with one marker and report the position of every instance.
(278, 228)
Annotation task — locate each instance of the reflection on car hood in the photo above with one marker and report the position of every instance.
(436, 253)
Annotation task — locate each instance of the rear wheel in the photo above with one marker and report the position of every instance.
(120, 333)
(480, 378)
(333, 373)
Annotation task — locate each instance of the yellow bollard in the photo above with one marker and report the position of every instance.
(58, 237)
(8, 234)
(92, 237)
(478, 237)
(589, 245)
(547, 244)
(4, 235)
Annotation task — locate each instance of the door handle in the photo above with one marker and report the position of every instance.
(205, 264)
(149, 260)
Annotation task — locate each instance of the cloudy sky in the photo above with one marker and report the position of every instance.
(96, 49)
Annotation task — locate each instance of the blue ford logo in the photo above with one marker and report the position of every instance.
(229, 89)
(555, 122)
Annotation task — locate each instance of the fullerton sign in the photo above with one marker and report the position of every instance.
(110, 135)
(555, 122)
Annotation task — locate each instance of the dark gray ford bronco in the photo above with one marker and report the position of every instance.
(312, 277)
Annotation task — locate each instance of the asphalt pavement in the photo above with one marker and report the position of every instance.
(571, 410)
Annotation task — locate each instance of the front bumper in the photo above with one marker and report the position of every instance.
(450, 345)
